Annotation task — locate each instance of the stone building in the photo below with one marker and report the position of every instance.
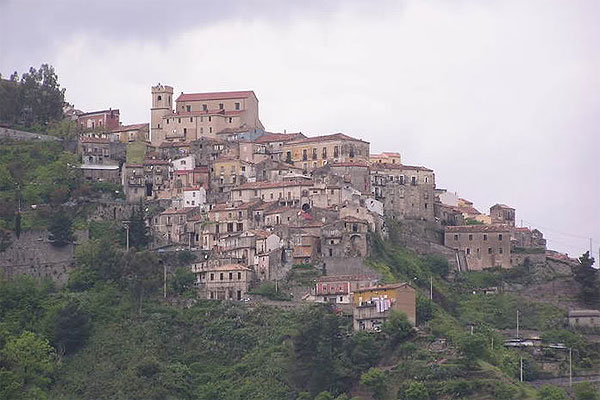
(101, 173)
(274, 143)
(195, 115)
(145, 181)
(171, 225)
(584, 318)
(131, 133)
(355, 174)
(345, 238)
(385, 158)
(99, 151)
(526, 238)
(277, 171)
(372, 306)
(484, 246)
(339, 289)
(227, 173)
(502, 214)
(291, 193)
(222, 282)
(407, 192)
(315, 152)
(105, 120)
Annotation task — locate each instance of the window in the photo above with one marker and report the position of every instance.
(500, 250)
(188, 108)
(221, 107)
(413, 180)
(426, 179)
(304, 155)
(159, 97)
(167, 121)
(470, 237)
(230, 120)
(237, 106)
(455, 237)
(490, 250)
(336, 151)
(185, 131)
(425, 205)
(324, 153)
(212, 277)
(201, 131)
(210, 129)
(484, 236)
(212, 295)
(209, 119)
(179, 120)
(191, 119)
(204, 107)
(401, 179)
(239, 276)
(221, 276)
(314, 154)
(231, 276)
(468, 251)
(499, 236)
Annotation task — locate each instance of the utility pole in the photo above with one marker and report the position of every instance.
(164, 280)
(521, 369)
(431, 288)
(127, 228)
(492, 343)
(570, 366)
(517, 324)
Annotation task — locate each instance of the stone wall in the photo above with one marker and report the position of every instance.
(33, 254)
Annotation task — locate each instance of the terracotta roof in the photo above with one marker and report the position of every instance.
(279, 137)
(215, 96)
(468, 210)
(116, 110)
(201, 113)
(155, 162)
(350, 164)
(383, 287)
(386, 154)
(86, 139)
(478, 228)
(343, 278)
(278, 210)
(228, 267)
(302, 251)
(132, 127)
(500, 205)
(400, 167)
(231, 207)
(174, 144)
(269, 185)
(259, 233)
(134, 165)
(325, 138)
(192, 189)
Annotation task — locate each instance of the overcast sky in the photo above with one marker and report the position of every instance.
(501, 98)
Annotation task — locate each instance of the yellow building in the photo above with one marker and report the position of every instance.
(195, 115)
(385, 158)
(371, 306)
(315, 152)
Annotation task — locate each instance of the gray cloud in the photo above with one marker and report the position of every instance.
(501, 98)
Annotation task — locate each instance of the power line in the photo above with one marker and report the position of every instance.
(556, 231)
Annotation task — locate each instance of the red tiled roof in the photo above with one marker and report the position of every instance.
(201, 113)
(132, 127)
(192, 189)
(302, 251)
(156, 162)
(383, 287)
(215, 96)
(279, 137)
(278, 210)
(344, 278)
(350, 164)
(325, 138)
(477, 228)
(116, 111)
(269, 185)
(228, 267)
(500, 205)
(400, 167)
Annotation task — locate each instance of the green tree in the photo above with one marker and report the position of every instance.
(324, 396)
(143, 274)
(588, 277)
(40, 98)
(68, 327)
(31, 361)
(424, 309)
(61, 229)
(586, 391)
(549, 392)
(473, 347)
(416, 391)
(376, 381)
(397, 327)
(183, 280)
(139, 233)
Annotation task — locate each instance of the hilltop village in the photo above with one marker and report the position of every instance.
(255, 203)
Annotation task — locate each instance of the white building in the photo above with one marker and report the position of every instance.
(194, 196)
